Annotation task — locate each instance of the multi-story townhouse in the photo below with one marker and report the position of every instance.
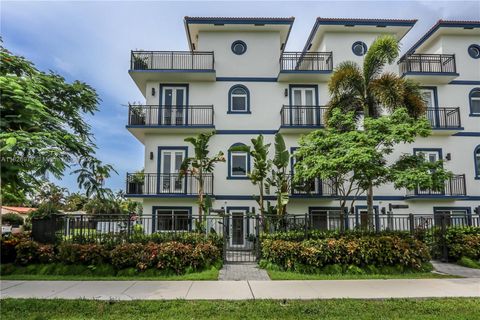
(238, 80)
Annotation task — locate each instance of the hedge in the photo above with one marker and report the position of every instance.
(329, 234)
(463, 242)
(12, 219)
(171, 257)
(313, 255)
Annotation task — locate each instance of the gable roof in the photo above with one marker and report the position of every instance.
(350, 22)
(443, 24)
(195, 24)
(21, 210)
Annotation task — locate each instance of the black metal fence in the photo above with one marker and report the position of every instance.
(171, 116)
(455, 186)
(239, 232)
(306, 61)
(167, 183)
(444, 117)
(172, 60)
(302, 116)
(428, 63)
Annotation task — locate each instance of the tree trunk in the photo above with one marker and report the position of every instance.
(200, 196)
(370, 204)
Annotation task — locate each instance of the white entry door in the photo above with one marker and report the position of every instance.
(173, 106)
(170, 181)
(303, 106)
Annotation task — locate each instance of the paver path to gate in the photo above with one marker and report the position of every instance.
(242, 271)
(456, 270)
(240, 290)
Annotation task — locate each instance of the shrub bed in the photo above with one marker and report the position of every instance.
(167, 257)
(463, 242)
(329, 234)
(312, 256)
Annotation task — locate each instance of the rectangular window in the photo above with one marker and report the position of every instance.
(173, 220)
(239, 164)
(325, 219)
(453, 216)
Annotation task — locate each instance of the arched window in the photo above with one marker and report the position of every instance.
(474, 98)
(238, 99)
(476, 160)
(238, 163)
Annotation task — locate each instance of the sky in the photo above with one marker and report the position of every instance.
(91, 41)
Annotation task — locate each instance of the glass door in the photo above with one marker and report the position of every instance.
(170, 181)
(432, 112)
(303, 111)
(173, 106)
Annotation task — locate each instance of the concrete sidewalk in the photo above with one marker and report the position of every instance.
(240, 290)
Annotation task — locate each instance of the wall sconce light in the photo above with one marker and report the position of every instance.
(448, 157)
(153, 92)
(286, 92)
(151, 155)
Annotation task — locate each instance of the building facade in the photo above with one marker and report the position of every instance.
(238, 80)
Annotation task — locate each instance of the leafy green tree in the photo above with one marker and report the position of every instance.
(75, 201)
(367, 91)
(199, 165)
(91, 176)
(42, 128)
(261, 166)
(355, 159)
(50, 192)
(280, 178)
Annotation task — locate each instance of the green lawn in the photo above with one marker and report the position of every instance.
(411, 309)
(286, 275)
(211, 274)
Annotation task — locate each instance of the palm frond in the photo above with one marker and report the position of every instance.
(387, 91)
(384, 50)
(346, 79)
(412, 99)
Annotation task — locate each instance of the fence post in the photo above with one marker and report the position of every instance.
(342, 222)
(443, 238)
(305, 228)
(225, 238)
(257, 237)
(81, 228)
(411, 220)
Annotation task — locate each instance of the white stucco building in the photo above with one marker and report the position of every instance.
(238, 80)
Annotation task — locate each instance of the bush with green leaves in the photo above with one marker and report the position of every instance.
(463, 242)
(12, 219)
(88, 254)
(313, 255)
(327, 234)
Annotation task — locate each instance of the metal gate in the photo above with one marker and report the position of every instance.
(240, 237)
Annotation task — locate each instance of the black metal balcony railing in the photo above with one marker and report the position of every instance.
(312, 187)
(172, 60)
(306, 61)
(167, 183)
(444, 118)
(454, 186)
(174, 116)
(302, 116)
(428, 63)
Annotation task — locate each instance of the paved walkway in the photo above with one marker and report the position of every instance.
(242, 271)
(240, 290)
(456, 270)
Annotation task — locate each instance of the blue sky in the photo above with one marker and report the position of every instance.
(91, 42)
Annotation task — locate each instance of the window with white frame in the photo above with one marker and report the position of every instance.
(238, 164)
(475, 102)
(239, 100)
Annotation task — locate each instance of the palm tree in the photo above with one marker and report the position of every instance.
(369, 91)
(200, 164)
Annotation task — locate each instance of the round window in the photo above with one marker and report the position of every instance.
(359, 48)
(474, 51)
(239, 47)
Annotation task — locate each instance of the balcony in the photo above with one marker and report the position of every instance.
(433, 68)
(166, 185)
(455, 187)
(305, 66)
(172, 66)
(302, 118)
(313, 188)
(168, 119)
(444, 120)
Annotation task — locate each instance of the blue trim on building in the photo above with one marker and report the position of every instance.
(159, 160)
(439, 150)
(247, 79)
(229, 163)
(173, 70)
(465, 82)
(154, 215)
(307, 71)
(208, 20)
(475, 164)
(421, 73)
(467, 134)
(241, 86)
(193, 126)
(246, 131)
(470, 102)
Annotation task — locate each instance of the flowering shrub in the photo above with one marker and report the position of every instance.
(89, 254)
(363, 251)
(8, 246)
(27, 252)
(125, 255)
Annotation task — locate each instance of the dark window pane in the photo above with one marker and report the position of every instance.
(239, 165)
(239, 103)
